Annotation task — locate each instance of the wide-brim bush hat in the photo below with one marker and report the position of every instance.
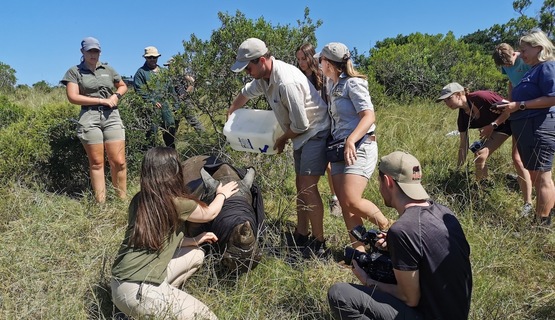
(151, 52)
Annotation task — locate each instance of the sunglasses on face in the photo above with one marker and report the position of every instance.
(151, 58)
(254, 62)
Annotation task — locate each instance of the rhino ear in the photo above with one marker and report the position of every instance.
(209, 182)
(249, 178)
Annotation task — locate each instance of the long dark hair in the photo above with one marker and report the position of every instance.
(316, 77)
(161, 181)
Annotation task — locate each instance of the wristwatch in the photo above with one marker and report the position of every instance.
(494, 125)
(522, 105)
(118, 95)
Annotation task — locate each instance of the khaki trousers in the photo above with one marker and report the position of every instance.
(162, 301)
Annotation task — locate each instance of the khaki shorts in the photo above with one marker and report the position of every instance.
(310, 159)
(365, 164)
(99, 126)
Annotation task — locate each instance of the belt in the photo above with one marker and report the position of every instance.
(370, 136)
(98, 108)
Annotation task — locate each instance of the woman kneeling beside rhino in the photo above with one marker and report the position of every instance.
(155, 258)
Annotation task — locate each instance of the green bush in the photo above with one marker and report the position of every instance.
(419, 65)
(66, 169)
(9, 112)
(42, 147)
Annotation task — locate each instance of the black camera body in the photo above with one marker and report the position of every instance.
(476, 146)
(377, 263)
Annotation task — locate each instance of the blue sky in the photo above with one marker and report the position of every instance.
(40, 39)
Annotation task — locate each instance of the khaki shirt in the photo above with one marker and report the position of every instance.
(296, 103)
(99, 83)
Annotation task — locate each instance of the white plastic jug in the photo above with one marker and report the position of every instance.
(252, 130)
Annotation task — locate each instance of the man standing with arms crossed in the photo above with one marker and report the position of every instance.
(303, 116)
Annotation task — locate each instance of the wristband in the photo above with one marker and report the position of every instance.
(225, 198)
(118, 95)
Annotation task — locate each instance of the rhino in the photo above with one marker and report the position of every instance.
(239, 223)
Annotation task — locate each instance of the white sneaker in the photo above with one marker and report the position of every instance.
(335, 208)
(527, 210)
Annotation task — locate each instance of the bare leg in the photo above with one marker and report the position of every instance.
(545, 192)
(303, 223)
(309, 205)
(493, 143)
(335, 208)
(524, 180)
(115, 150)
(349, 191)
(330, 181)
(95, 154)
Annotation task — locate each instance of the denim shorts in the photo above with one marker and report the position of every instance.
(100, 125)
(535, 140)
(310, 159)
(365, 164)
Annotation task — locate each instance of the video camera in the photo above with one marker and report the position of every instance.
(377, 264)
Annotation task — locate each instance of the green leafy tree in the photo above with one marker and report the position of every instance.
(418, 65)
(209, 61)
(42, 86)
(547, 19)
(510, 32)
(7, 78)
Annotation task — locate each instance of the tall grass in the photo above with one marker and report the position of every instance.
(57, 250)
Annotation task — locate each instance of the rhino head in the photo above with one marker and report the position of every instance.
(211, 184)
(240, 250)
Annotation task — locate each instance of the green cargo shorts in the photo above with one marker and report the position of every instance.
(99, 125)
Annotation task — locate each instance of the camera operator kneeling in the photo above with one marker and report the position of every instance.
(429, 254)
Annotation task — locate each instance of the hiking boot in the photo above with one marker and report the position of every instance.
(315, 249)
(486, 184)
(546, 221)
(296, 241)
(527, 210)
(511, 176)
(335, 208)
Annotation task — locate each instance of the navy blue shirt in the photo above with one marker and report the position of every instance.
(537, 82)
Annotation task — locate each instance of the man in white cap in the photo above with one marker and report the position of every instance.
(429, 253)
(303, 116)
(157, 96)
